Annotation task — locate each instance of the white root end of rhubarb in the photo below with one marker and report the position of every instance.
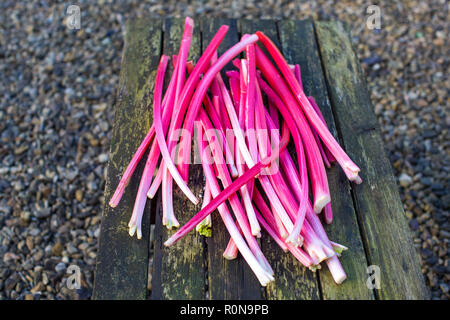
(172, 223)
(132, 230)
(117, 196)
(229, 257)
(315, 267)
(150, 194)
(168, 242)
(336, 270)
(321, 202)
(294, 240)
(234, 171)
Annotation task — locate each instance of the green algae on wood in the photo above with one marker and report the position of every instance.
(384, 228)
(226, 279)
(299, 46)
(179, 271)
(121, 271)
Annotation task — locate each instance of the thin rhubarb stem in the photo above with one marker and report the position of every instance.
(328, 214)
(279, 182)
(234, 201)
(115, 199)
(350, 169)
(231, 251)
(273, 111)
(298, 75)
(139, 204)
(186, 95)
(201, 91)
(330, 156)
(248, 69)
(263, 276)
(315, 164)
(226, 193)
(169, 219)
(160, 133)
(235, 90)
(268, 214)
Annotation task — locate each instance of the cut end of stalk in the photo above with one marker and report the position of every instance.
(321, 202)
(169, 242)
(112, 204)
(189, 22)
(315, 267)
(172, 223)
(229, 257)
(234, 171)
(358, 180)
(351, 171)
(115, 199)
(132, 230)
(295, 240)
(336, 270)
(256, 230)
(151, 193)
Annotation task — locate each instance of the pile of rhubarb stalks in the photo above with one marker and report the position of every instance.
(240, 134)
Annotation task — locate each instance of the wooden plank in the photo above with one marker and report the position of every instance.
(179, 271)
(386, 236)
(227, 279)
(292, 280)
(299, 45)
(121, 271)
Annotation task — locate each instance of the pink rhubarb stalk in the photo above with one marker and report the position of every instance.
(316, 167)
(262, 274)
(200, 91)
(350, 169)
(225, 194)
(186, 94)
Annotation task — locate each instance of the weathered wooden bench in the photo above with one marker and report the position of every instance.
(369, 218)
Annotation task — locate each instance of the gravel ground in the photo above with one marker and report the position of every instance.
(58, 89)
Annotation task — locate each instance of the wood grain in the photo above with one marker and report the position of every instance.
(179, 271)
(121, 271)
(227, 279)
(299, 46)
(383, 224)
